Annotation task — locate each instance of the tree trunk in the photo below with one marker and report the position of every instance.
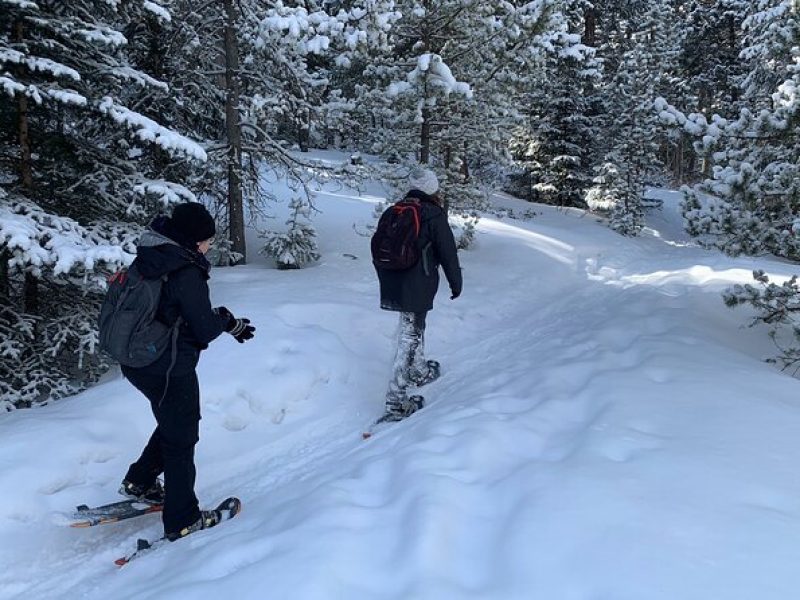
(303, 129)
(30, 286)
(678, 172)
(590, 27)
(425, 137)
(233, 131)
(31, 294)
(5, 290)
(25, 154)
(425, 130)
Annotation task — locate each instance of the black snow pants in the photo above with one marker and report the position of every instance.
(171, 447)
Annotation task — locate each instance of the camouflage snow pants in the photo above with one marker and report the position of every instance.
(409, 361)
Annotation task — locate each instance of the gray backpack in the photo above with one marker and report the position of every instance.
(129, 331)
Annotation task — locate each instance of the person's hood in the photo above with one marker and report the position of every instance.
(157, 254)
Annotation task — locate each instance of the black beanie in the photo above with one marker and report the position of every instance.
(192, 223)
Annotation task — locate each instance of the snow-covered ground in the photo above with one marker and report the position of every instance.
(605, 429)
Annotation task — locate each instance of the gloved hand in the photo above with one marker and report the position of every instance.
(241, 330)
(455, 293)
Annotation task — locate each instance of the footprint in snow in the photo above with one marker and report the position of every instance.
(629, 446)
(61, 484)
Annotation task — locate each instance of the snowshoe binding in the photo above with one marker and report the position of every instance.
(151, 495)
(397, 410)
(209, 518)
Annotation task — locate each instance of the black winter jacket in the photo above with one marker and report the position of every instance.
(184, 294)
(413, 290)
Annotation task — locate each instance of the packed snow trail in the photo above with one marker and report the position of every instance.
(603, 428)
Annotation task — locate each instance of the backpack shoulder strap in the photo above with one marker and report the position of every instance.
(415, 207)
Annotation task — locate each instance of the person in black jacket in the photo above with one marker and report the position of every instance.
(411, 292)
(175, 247)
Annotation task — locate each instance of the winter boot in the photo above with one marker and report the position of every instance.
(152, 495)
(433, 373)
(209, 518)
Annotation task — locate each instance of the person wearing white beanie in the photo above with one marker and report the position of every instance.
(410, 290)
(423, 180)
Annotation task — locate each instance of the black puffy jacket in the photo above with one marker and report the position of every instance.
(414, 289)
(184, 294)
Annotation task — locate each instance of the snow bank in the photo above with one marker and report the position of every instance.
(603, 429)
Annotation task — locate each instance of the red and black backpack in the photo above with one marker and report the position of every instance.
(395, 243)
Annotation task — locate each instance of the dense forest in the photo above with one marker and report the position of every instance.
(111, 111)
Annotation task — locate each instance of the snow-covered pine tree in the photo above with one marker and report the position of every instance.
(713, 75)
(297, 246)
(250, 79)
(710, 81)
(555, 147)
(751, 201)
(446, 94)
(633, 131)
(79, 166)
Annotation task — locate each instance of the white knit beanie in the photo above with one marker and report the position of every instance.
(423, 180)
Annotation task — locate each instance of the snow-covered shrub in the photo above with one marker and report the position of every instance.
(618, 197)
(221, 254)
(297, 246)
(777, 306)
(464, 225)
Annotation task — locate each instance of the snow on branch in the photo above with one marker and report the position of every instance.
(67, 97)
(431, 68)
(310, 29)
(37, 239)
(44, 65)
(148, 130)
(168, 191)
(315, 31)
(12, 88)
(23, 4)
(143, 79)
(102, 35)
(158, 10)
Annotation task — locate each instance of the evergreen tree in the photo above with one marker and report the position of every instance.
(81, 169)
(556, 148)
(297, 246)
(713, 76)
(755, 174)
(634, 134)
(446, 93)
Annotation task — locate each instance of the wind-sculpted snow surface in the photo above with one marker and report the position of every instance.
(599, 432)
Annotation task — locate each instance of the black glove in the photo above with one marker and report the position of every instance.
(241, 330)
(455, 294)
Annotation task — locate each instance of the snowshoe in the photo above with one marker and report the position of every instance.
(396, 411)
(227, 509)
(89, 516)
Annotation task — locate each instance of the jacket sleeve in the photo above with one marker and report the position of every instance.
(195, 306)
(446, 252)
